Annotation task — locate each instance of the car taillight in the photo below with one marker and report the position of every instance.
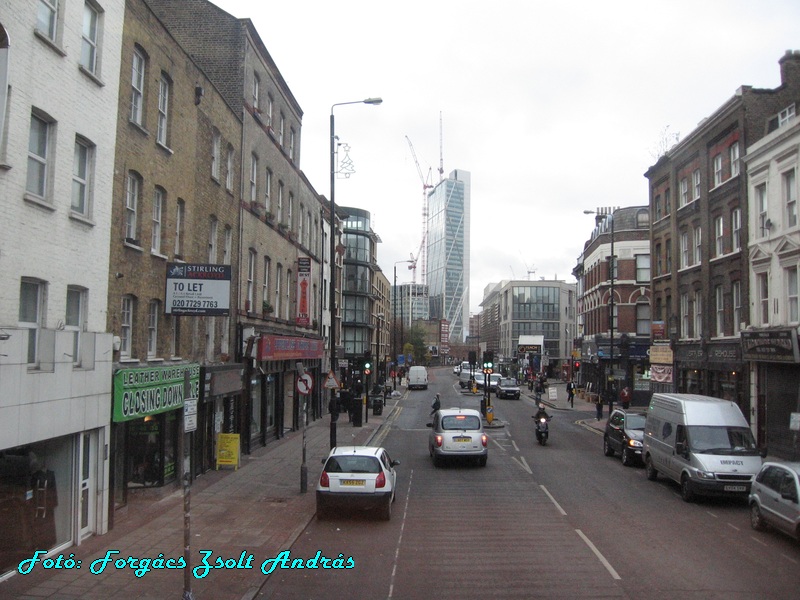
(439, 440)
(380, 480)
(323, 480)
(484, 440)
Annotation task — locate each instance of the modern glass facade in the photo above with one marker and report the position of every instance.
(448, 248)
(357, 280)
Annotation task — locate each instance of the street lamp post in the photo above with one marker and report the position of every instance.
(394, 318)
(332, 294)
(608, 215)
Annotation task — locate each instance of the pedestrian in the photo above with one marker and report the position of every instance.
(437, 404)
(598, 404)
(625, 397)
(571, 393)
(610, 398)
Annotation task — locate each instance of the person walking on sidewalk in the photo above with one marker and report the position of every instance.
(598, 404)
(625, 397)
(571, 393)
(437, 404)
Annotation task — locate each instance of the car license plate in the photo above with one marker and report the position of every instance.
(462, 439)
(353, 481)
(735, 488)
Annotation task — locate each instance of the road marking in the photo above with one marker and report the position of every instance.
(400, 539)
(498, 443)
(789, 558)
(598, 554)
(553, 500)
(708, 512)
(513, 443)
(521, 462)
(386, 426)
(758, 541)
(734, 527)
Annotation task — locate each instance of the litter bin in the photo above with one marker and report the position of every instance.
(358, 412)
(377, 404)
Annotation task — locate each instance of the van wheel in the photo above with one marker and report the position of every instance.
(649, 469)
(686, 489)
(607, 449)
(756, 520)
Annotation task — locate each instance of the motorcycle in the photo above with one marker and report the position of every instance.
(542, 430)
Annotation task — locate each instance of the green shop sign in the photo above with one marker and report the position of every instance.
(152, 390)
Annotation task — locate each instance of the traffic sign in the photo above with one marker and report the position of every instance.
(330, 381)
(304, 384)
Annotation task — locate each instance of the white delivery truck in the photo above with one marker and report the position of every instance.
(417, 378)
(702, 443)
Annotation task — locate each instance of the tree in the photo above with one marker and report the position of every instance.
(415, 338)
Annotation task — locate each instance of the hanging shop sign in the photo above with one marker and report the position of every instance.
(198, 289)
(152, 390)
(303, 291)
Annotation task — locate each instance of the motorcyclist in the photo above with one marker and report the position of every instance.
(541, 413)
(437, 404)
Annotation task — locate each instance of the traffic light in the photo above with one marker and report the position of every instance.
(576, 365)
(367, 362)
(488, 362)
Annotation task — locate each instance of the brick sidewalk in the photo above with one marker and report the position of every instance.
(257, 509)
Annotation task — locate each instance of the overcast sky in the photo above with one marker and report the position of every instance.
(554, 107)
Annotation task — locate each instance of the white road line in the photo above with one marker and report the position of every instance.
(515, 445)
(597, 553)
(734, 527)
(521, 462)
(498, 443)
(758, 541)
(400, 539)
(553, 500)
(789, 558)
(708, 512)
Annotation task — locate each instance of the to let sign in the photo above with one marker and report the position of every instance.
(198, 289)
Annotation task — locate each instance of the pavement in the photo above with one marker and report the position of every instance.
(256, 510)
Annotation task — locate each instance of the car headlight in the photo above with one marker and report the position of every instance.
(634, 443)
(705, 475)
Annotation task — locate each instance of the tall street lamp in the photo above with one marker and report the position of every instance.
(394, 317)
(332, 294)
(607, 214)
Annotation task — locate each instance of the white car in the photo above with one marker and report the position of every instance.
(361, 477)
(775, 498)
(458, 433)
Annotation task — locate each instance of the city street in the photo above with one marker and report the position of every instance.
(556, 521)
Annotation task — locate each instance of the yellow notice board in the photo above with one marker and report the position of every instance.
(227, 450)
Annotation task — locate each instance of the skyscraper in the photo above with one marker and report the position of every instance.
(448, 253)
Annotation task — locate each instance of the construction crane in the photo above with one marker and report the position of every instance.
(422, 254)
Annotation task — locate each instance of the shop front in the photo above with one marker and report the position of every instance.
(219, 411)
(713, 369)
(147, 425)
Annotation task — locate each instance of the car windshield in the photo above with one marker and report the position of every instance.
(507, 382)
(721, 440)
(634, 421)
(459, 422)
(353, 464)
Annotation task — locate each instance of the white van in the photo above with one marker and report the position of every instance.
(702, 443)
(417, 378)
(466, 375)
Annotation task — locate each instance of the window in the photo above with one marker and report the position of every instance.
(793, 293)
(163, 109)
(667, 202)
(74, 319)
(684, 191)
(179, 220)
(657, 207)
(216, 148)
(719, 236)
(698, 245)
(270, 102)
(288, 294)
(309, 231)
(659, 261)
(684, 250)
(46, 18)
(643, 268)
(719, 300)
(733, 154)
(761, 208)
(762, 285)
(31, 310)
(736, 229)
(82, 164)
(253, 178)
(251, 278)
(137, 87)
(790, 197)
(685, 314)
(696, 183)
(158, 212)
(267, 188)
(153, 310)
(668, 256)
(643, 318)
(279, 208)
(291, 144)
(226, 252)
(786, 115)
(131, 207)
(265, 297)
(301, 223)
(212, 241)
(736, 300)
(717, 162)
(256, 92)
(289, 211)
(175, 342)
(278, 280)
(698, 313)
(229, 172)
(282, 130)
(126, 327)
(89, 38)
(38, 157)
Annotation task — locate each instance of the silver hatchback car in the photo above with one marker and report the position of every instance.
(458, 432)
(775, 498)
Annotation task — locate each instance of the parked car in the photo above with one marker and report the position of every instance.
(507, 388)
(775, 498)
(624, 434)
(458, 432)
(359, 477)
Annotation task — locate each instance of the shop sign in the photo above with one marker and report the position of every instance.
(724, 353)
(284, 347)
(661, 354)
(152, 390)
(770, 346)
(226, 382)
(303, 291)
(661, 373)
(198, 289)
